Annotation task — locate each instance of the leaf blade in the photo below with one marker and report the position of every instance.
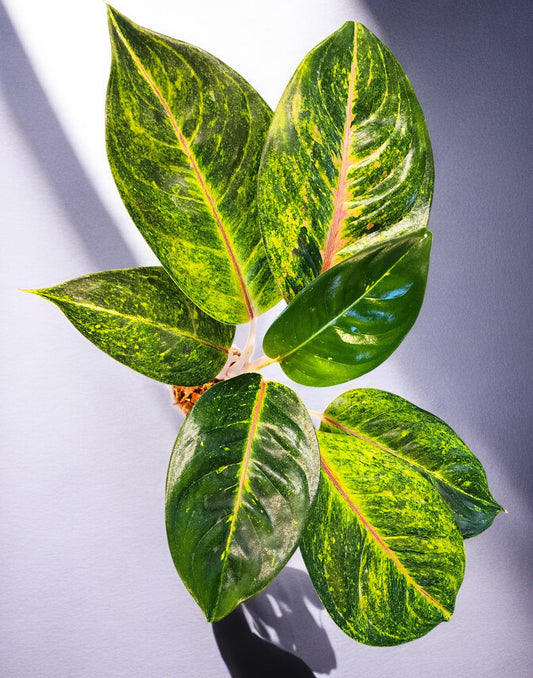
(353, 316)
(362, 545)
(243, 473)
(347, 161)
(140, 318)
(425, 442)
(184, 137)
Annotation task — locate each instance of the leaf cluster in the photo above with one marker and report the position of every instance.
(324, 203)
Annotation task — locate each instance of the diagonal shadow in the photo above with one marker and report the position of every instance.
(246, 654)
(31, 108)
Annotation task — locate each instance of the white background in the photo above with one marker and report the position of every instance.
(88, 586)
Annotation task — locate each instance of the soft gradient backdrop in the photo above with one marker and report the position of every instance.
(88, 586)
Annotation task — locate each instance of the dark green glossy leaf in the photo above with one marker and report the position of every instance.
(184, 140)
(242, 476)
(381, 547)
(353, 316)
(347, 161)
(395, 426)
(139, 317)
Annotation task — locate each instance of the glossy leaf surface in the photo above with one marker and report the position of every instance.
(353, 316)
(397, 427)
(243, 474)
(381, 547)
(139, 317)
(184, 140)
(347, 160)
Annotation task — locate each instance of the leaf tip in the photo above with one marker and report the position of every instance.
(211, 617)
(498, 508)
(43, 292)
(115, 20)
(119, 21)
(214, 612)
(111, 11)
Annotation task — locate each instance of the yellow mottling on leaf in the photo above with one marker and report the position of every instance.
(356, 212)
(316, 134)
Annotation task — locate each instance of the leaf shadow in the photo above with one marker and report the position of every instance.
(277, 632)
(38, 122)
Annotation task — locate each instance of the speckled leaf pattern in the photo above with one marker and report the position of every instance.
(139, 317)
(347, 161)
(353, 316)
(184, 140)
(243, 473)
(381, 547)
(387, 422)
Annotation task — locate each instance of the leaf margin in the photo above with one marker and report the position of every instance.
(122, 352)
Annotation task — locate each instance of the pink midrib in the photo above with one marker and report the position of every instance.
(334, 240)
(186, 149)
(388, 450)
(377, 538)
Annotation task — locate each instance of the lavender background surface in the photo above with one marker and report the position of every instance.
(88, 586)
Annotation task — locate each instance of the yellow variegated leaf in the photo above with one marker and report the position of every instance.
(184, 139)
(242, 477)
(347, 161)
(381, 546)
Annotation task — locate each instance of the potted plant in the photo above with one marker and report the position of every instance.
(324, 203)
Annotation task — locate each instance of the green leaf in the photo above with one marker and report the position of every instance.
(353, 316)
(243, 473)
(347, 161)
(387, 422)
(381, 546)
(139, 317)
(184, 140)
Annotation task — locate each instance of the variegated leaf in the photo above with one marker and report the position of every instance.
(347, 161)
(394, 425)
(139, 317)
(184, 140)
(381, 547)
(242, 477)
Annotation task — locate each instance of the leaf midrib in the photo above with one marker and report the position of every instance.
(333, 240)
(133, 318)
(343, 311)
(190, 156)
(242, 479)
(371, 530)
(396, 454)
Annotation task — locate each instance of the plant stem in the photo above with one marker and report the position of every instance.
(231, 361)
(258, 364)
(240, 366)
(250, 342)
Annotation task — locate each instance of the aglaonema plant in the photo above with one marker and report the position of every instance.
(324, 203)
